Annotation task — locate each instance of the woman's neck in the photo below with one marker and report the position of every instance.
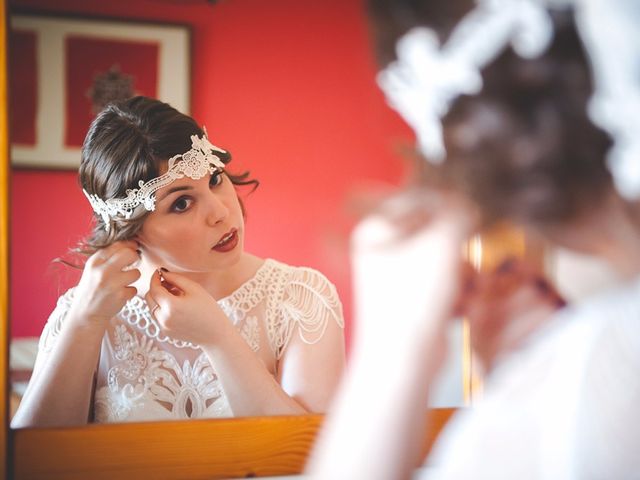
(608, 232)
(223, 282)
(219, 283)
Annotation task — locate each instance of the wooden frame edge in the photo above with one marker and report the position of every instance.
(4, 245)
(241, 447)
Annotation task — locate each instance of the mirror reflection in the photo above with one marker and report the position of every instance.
(290, 128)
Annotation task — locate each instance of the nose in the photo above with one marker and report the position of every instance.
(217, 211)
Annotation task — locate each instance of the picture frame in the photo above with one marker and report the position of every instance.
(63, 71)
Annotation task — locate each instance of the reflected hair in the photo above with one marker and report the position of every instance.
(523, 148)
(127, 142)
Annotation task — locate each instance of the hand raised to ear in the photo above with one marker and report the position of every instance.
(185, 310)
(104, 287)
(506, 306)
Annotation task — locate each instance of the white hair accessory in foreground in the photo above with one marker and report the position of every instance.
(195, 164)
(427, 77)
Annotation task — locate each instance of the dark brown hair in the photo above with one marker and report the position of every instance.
(523, 148)
(128, 142)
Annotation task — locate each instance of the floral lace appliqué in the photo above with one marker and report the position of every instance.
(143, 374)
(146, 375)
(251, 333)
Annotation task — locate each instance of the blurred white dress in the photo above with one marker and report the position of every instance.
(144, 375)
(567, 406)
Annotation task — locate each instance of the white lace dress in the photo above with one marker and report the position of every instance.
(144, 375)
(565, 407)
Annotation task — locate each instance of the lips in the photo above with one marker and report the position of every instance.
(228, 241)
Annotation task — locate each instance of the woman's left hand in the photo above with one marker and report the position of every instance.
(184, 309)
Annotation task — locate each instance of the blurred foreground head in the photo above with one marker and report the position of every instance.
(501, 97)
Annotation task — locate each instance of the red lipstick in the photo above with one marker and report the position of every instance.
(228, 242)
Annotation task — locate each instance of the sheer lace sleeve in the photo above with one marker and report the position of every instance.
(309, 304)
(54, 324)
(307, 336)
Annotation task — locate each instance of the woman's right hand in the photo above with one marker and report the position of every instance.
(104, 287)
(505, 306)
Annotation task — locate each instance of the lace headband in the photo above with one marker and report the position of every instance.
(427, 77)
(196, 163)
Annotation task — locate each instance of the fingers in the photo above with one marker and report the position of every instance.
(104, 254)
(106, 271)
(156, 292)
(174, 283)
(506, 306)
(161, 291)
(159, 297)
(152, 303)
(129, 276)
(123, 258)
(130, 292)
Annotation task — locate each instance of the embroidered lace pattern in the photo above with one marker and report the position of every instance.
(137, 314)
(308, 303)
(54, 324)
(251, 333)
(299, 299)
(142, 371)
(147, 375)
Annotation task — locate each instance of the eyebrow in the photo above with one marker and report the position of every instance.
(173, 190)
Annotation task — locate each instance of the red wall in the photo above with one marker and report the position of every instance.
(288, 86)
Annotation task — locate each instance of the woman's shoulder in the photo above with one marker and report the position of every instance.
(613, 313)
(299, 273)
(305, 288)
(64, 301)
(603, 330)
(56, 319)
(304, 301)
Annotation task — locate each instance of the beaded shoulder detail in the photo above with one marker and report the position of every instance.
(303, 302)
(250, 293)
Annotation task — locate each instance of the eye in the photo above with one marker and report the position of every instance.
(181, 204)
(216, 178)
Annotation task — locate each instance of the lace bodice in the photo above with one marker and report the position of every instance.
(145, 375)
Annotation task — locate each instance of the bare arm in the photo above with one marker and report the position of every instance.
(377, 426)
(249, 386)
(59, 392)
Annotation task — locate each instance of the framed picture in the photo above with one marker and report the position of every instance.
(63, 71)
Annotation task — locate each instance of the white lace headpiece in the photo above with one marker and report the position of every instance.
(427, 77)
(196, 163)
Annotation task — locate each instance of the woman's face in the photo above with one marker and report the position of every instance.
(197, 225)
